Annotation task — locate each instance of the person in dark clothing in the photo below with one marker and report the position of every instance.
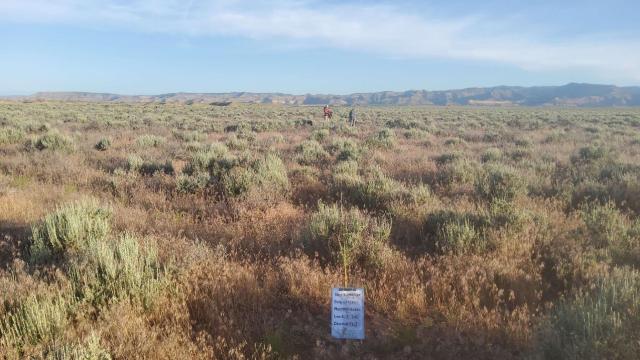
(352, 117)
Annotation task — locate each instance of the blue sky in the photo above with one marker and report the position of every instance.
(307, 46)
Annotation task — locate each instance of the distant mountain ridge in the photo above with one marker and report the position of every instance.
(574, 94)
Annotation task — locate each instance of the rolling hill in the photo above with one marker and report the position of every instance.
(573, 95)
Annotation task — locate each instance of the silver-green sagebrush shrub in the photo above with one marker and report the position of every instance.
(310, 152)
(377, 191)
(236, 143)
(449, 232)
(236, 176)
(69, 228)
(188, 136)
(9, 135)
(456, 173)
(53, 140)
(599, 323)
(611, 233)
(90, 349)
(320, 134)
(605, 225)
(104, 271)
(499, 182)
(590, 154)
(135, 164)
(150, 141)
(372, 189)
(415, 134)
(203, 160)
(448, 158)
(35, 320)
(491, 155)
(237, 181)
(345, 149)
(190, 184)
(385, 138)
(103, 144)
(347, 237)
(152, 167)
(100, 268)
(271, 174)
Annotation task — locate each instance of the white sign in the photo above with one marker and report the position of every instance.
(347, 313)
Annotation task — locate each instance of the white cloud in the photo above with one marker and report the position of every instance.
(380, 29)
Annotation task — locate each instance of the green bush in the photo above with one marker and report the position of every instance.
(505, 213)
(454, 142)
(53, 140)
(600, 323)
(452, 232)
(345, 149)
(194, 146)
(345, 177)
(10, 135)
(134, 163)
(267, 176)
(347, 237)
(415, 134)
(499, 182)
(237, 181)
(403, 124)
(448, 158)
(589, 154)
(310, 152)
(100, 269)
(189, 136)
(605, 225)
(203, 160)
(150, 141)
(377, 191)
(34, 126)
(520, 154)
(35, 320)
(189, 184)
(554, 137)
(236, 143)
(103, 271)
(103, 144)
(385, 138)
(372, 190)
(68, 228)
(455, 173)
(152, 167)
(611, 233)
(320, 134)
(491, 155)
(271, 174)
(90, 349)
(247, 135)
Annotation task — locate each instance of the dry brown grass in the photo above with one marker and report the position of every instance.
(463, 274)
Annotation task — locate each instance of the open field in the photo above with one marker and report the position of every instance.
(197, 231)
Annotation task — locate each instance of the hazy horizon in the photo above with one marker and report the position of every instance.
(10, 94)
